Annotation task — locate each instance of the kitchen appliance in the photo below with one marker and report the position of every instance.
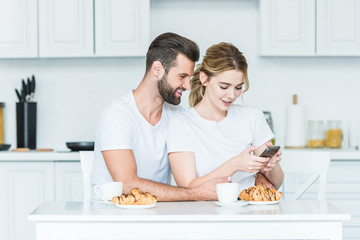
(80, 146)
(270, 123)
(2, 105)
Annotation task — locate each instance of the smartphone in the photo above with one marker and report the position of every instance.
(270, 151)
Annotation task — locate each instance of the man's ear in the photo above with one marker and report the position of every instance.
(157, 70)
(203, 78)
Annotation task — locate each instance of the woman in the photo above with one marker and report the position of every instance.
(216, 138)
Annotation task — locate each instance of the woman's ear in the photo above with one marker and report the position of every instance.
(157, 70)
(203, 78)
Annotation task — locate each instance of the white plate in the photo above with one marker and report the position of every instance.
(103, 201)
(262, 202)
(232, 204)
(136, 206)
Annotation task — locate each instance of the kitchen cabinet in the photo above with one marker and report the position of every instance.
(338, 31)
(68, 181)
(66, 28)
(18, 29)
(309, 28)
(24, 185)
(74, 28)
(29, 179)
(122, 28)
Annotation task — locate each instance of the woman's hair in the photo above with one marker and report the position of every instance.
(166, 47)
(219, 58)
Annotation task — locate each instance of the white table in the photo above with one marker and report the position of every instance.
(189, 220)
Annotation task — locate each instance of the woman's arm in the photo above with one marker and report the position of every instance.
(272, 171)
(183, 167)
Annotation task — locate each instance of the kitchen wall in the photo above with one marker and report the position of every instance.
(71, 92)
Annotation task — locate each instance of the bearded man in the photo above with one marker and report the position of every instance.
(130, 144)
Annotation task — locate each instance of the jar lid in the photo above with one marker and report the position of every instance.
(2, 104)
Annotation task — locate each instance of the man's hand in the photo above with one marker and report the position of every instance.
(261, 179)
(207, 191)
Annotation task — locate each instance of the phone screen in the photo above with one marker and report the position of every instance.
(270, 151)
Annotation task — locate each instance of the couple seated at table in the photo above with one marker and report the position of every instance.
(139, 135)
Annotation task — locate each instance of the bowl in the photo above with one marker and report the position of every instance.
(80, 146)
(4, 147)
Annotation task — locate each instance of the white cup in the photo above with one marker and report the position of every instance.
(106, 191)
(227, 192)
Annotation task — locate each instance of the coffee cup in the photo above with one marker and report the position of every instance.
(227, 192)
(106, 191)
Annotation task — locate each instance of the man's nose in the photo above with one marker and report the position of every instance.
(187, 84)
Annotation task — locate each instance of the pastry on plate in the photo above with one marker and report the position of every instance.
(260, 193)
(135, 197)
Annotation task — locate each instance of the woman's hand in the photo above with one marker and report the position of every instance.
(247, 162)
(273, 161)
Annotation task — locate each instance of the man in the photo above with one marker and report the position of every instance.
(130, 144)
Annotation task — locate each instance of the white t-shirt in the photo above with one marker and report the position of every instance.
(213, 143)
(121, 126)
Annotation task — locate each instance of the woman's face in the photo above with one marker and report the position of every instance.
(224, 88)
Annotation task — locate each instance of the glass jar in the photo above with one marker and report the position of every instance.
(333, 134)
(2, 105)
(316, 134)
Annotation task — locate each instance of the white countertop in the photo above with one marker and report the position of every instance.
(39, 156)
(336, 155)
(188, 211)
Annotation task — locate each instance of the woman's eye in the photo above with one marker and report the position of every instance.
(238, 88)
(223, 87)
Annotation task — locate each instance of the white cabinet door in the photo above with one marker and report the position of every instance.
(18, 29)
(23, 187)
(122, 27)
(68, 181)
(287, 28)
(338, 27)
(66, 28)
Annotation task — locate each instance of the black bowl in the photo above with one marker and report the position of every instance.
(81, 146)
(4, 147)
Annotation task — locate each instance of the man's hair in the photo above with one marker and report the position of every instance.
(166, 47)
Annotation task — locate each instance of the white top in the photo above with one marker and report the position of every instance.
(121, 126)
(300, 210)
(213, 143)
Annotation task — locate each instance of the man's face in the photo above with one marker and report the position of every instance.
(177, 80)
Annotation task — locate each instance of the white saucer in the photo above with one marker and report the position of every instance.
(262, 202)
(231, 204)
(136, 206)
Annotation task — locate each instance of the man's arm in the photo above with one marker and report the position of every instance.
(122, 167)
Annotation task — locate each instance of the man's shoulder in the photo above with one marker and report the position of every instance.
(120, 104)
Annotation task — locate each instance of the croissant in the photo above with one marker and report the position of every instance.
(135, 197)
(260, 193)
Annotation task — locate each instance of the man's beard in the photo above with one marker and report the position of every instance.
(167, 92)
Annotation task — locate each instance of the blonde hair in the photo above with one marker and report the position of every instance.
(219, 58)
